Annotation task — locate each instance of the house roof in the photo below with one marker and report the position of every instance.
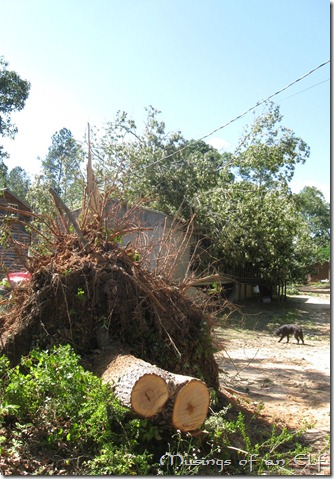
(7, 192)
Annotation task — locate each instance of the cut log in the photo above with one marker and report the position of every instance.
(182, 401)
(139, 385)
(190, 400)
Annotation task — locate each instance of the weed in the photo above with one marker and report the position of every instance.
(80, 294)
(292, 289)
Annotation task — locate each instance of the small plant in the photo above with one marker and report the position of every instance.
(270, 455)
(292, 289)
(80, 294)
(118, 460)
(185, 457)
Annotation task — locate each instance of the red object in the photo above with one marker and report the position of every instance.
(18, 277)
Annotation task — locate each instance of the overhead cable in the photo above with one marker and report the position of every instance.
(247, 111)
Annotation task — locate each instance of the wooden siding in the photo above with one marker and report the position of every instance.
(13, 254)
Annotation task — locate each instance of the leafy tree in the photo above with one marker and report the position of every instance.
(124, 157)
(254, 220)
(177, 179)
(315, 211)
(3, 172)
(39, 198)
(258, 228)
(61, 167)
(14, 92)
(19, 182)
(268, 152)
(162, 167)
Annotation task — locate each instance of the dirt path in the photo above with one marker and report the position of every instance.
(290, 382)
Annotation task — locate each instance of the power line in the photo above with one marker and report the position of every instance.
(305, 89)
(247, 111)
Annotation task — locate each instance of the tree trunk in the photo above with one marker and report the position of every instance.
(189, 402)
(145, 389)
(137, 384)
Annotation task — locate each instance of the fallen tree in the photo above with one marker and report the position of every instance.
(137, 384)
(147, 389)
(88, 291)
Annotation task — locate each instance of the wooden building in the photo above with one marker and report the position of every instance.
(14, 248)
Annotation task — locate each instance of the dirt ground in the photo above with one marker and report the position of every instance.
(289, 383)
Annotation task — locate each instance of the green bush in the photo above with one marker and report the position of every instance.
(51, 407)
(64, 408)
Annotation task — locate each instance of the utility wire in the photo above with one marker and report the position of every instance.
(245, 112)
(305, 89)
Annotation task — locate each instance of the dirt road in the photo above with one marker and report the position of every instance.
(289, 382)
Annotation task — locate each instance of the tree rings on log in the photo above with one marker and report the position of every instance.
(145, 388)
(190, 399)
(137, 384)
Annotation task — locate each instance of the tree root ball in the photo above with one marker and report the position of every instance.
(92, 299)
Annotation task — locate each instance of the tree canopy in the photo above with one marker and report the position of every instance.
(241, 201)
(162, 167)
(14, 92)
(269, 152)
(315, 210)
(19, 182)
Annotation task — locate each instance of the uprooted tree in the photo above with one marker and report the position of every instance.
(137, 331)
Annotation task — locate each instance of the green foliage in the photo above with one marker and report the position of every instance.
(324, 253)
(252, 225)
(18, 182)
(292, 289)
(50, 404)
(254, 220)
(64, 408)
(161, 167)
(52, 383)
(61, 170)
(119, 461)
(268, 152)
(81, 294)
(268, 455)
(62, 162)
(14, 92)
(315, 211)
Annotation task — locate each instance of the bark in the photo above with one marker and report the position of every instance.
(182, 401)
(139, 385)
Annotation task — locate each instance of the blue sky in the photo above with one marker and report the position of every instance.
(200, 62)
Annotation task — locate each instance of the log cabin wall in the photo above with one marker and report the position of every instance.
(10, 257)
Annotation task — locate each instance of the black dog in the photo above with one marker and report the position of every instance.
(287, 329)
